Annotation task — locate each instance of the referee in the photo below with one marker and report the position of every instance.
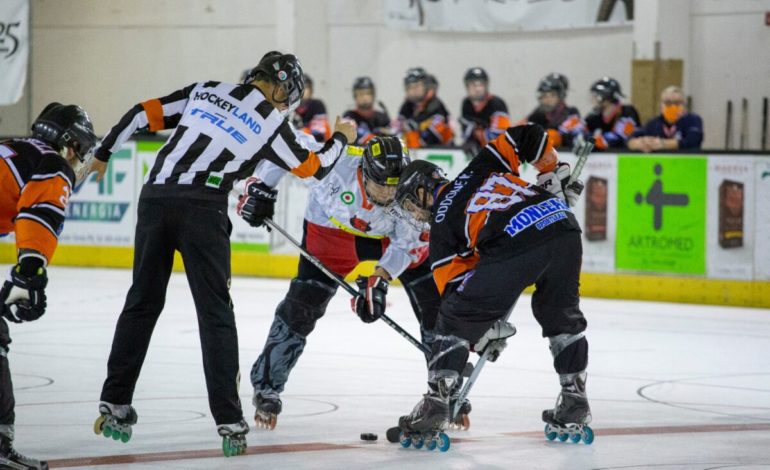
(221, 132)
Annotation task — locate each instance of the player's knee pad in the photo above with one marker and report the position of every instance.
(448, 358)
(282, 350)
(304, 304)
(570, 354)
(425, 299)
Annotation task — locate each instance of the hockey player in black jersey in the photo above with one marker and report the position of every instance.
(38, 176)
(423, 120)
(310, 116)
(484, 116)
(493, 234)
(562, 121)
(611, 123)
(370, 122)
(221, 131)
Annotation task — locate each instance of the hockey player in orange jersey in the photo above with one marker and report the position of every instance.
(38, 174)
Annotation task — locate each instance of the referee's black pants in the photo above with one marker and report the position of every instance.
(200, 231)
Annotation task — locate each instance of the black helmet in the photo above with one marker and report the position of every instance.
(476, 73)
(551, 83)
(607, 89)
(282, 69)
(415, 74)
(419, 174)
(560, 77)
(363, 83)
(65, 126)
(384, 159)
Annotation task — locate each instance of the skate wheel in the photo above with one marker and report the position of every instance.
(418, 442)
(98, 425)
(116, 435)
(431, 444)
(563, 436)
(126, 436)
(443, 442)
(575, 438)
(107, 432)
(405, 440)
(229, 448)
(588, 435)
(550, 434)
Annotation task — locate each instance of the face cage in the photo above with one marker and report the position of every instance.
(423, 212)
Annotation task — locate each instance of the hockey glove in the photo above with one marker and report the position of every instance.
(495, 339)
(257, 202)
(557, 182)
(369, 304)
(23, 294)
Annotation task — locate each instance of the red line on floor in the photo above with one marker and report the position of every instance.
(321, 446)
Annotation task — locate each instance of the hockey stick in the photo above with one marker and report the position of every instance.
(341, 282)
(582, 150)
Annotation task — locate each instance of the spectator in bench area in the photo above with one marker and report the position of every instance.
(673, 129)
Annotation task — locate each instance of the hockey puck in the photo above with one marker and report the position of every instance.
(368, 436)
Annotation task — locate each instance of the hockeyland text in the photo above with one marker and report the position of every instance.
(230, 108)
(541, 215)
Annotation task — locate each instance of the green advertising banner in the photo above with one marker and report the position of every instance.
(661, 223)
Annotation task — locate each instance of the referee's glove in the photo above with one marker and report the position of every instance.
(257, 202)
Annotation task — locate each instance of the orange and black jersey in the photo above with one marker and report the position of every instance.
(310, 117)
(615, 130)
(563, 123)
(37, 183)
(369, 123)
(488, 211)
(485, 120)
(426, 123)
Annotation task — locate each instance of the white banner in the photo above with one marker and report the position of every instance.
(597, 212)
(762, 221)
(503, 15)
(730, 217)
(14, 49)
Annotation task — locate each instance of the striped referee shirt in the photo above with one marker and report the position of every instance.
(221, 132)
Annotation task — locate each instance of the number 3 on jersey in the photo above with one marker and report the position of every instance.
(498, 193)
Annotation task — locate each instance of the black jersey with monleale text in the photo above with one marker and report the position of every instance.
(490, 214)
(221, 131)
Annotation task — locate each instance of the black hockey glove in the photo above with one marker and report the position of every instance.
(23, 294)
(257, 202)
(369, 304)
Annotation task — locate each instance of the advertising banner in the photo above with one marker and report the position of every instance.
(14, 49)
(762, 221)
(730, 224)
(661, 224)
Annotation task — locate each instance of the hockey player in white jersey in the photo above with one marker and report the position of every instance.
(349, 218)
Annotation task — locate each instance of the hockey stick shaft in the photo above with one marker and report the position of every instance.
(341, 282)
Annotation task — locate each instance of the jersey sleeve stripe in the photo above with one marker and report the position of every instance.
(25, 215)
(154, 110)
(309, 167)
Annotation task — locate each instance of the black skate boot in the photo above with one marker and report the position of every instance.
(268, 407)
(426, 423)
(13, 460)
(233, 438)
(461, 421)
(570, 417)
(115, 421)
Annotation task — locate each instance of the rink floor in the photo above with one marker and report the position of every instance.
(671, 387)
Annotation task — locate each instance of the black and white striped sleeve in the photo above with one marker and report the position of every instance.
(153, 115)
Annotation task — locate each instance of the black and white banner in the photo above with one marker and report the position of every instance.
(14, 49)
(505, 15)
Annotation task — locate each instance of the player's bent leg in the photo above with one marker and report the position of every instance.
(295, 318)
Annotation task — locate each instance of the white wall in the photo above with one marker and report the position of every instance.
(109, 54)
(729, 60)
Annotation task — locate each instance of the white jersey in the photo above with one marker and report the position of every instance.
(339, 201)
